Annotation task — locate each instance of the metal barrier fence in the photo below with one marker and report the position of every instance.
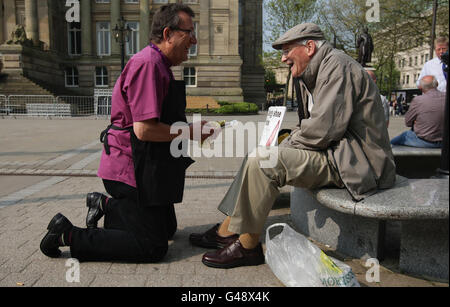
(50, 106)
(3, 108)
(80, 105)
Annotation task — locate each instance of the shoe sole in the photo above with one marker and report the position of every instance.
(235, 264)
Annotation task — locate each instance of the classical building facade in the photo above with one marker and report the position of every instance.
(410, 64)
(80, 57)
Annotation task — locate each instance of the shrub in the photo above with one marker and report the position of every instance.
(240, 107)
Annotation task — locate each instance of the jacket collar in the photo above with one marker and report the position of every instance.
(309, 76)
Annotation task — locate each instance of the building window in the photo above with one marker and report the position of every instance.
(160, 1)
(410, 62)
(193, 49)
(101, 76)
(103, 39)
(132, 46)
(74, 38)
(421, 59)
(426, 57)
(190, 1)
(415, 61)
(101, 1)
(131, 1)
(189, 75)
(407, 79)
(71, 75)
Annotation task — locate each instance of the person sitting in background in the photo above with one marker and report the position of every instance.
(425, 116)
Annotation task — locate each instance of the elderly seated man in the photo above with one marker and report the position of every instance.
(342, 141)
(425, 116)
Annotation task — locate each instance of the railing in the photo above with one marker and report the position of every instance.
(3, 107)
(50, 106)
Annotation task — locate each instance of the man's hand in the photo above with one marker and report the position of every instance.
(200, 131)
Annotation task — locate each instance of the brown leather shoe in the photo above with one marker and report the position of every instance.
(234, 255)
(211, 239)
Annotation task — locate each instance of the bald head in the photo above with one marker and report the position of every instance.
(427, 83)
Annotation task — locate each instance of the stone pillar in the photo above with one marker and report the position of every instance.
(31, 21)
(252, 70)
(2, 27)
(203, 31)
(9, 18)
(86, 27)
(115, 16)
(233, 48)
(144, 24)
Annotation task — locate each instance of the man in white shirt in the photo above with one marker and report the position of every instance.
(435, 67)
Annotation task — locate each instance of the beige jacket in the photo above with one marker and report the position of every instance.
(347, 121)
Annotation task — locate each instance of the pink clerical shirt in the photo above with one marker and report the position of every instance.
(137, 96)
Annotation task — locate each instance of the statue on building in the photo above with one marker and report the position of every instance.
(365, 47)
(19, 36)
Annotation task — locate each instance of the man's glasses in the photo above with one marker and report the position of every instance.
(191, 33)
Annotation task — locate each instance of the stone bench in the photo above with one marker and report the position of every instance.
(49, 109)
(413, 162)
(358, 229)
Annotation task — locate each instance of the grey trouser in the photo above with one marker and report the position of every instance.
(254, 190)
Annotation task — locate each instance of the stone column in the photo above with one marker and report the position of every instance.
(9, 18)
(115, 16)
(233, 48)
(31, 21)
(2, 27)
(86, 27)
(144, 24)
(203, 31)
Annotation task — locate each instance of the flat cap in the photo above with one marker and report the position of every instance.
(301, 31)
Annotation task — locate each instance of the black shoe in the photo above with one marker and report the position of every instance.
(56, 228)
(94, 201)
(211, 239)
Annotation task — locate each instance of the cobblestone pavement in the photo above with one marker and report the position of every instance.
(48, 166)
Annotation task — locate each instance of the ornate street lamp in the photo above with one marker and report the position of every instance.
(122, 35)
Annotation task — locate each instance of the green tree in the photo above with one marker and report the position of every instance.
(341, 21)
(269, 78)
(285, 14)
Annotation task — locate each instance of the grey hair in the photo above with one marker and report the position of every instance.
(425, 85)
(319, 43)
(167, 17)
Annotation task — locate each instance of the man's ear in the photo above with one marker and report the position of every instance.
(311, 45)
(167, 33)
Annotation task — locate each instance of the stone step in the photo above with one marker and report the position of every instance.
(17, 84)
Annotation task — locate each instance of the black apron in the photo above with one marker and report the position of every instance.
(159, 175)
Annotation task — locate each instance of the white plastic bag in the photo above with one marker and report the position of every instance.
(299, 263)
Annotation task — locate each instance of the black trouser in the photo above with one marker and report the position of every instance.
(131, 233)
